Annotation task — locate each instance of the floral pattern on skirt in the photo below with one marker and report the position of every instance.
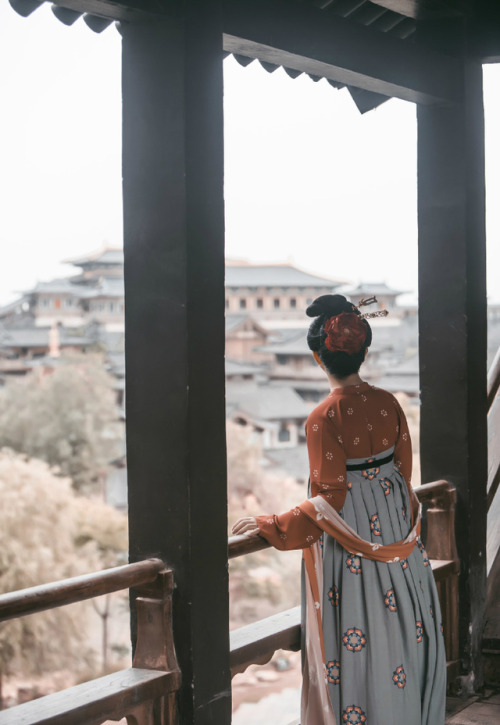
(382, 632)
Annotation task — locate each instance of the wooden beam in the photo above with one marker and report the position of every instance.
(452, 320)
(256, 643)
(128, 10)
(174, 335)
(107, 698)
(77, 589)
(419, 9)
(485, 41)
(307, 39)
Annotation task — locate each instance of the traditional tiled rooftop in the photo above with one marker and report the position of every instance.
(275, 275)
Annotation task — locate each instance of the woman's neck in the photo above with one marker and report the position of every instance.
(353, 379)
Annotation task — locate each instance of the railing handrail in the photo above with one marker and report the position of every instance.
(77, 589)
(493, 378)
(242, 545)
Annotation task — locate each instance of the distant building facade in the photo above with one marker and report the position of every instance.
(273, 291)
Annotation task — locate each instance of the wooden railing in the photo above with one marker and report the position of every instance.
(256, 643)
(146, 692)
(491, 632)
(493, 428)
(493, 533)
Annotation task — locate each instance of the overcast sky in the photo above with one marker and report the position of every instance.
(308, 178)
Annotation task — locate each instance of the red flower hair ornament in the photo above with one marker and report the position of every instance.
(345, 332)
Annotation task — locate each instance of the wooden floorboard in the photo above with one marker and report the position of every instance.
(475, 710)
(478, 710)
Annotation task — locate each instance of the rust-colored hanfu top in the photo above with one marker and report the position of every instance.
(357, 421)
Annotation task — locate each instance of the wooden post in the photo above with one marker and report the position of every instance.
(452, 314)
(174, 322)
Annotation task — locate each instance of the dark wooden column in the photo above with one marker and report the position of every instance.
(174, 292)
(452, 308)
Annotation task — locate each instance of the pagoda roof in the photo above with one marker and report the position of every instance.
(274, 275)
(236, 320)
(295, 345)
(108, 287)
(369, 289)
(39, 337)
(108, 256)
(235, 368)
(265, 402)
(61, 286)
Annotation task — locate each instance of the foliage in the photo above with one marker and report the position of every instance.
(66, 417)
(268, 581)
(47, 533)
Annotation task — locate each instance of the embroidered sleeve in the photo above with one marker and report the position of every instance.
(294, 530)
(403, 452)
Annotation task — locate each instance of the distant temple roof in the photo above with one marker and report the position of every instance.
(372, 288)
(236, 368)
(108, 256)
(274, 275)
(61, 286)
(265, 402)
(233, 321)
(40, 337)
(294, 345)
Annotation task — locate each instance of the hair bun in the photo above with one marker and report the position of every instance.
(329, 305)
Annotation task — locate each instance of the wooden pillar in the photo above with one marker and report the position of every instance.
(174, 292)
(452, 310)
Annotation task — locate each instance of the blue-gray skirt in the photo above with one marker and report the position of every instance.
(382, 628)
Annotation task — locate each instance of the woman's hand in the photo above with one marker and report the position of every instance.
(247, 526)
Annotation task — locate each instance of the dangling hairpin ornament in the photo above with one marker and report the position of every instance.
(369, 315)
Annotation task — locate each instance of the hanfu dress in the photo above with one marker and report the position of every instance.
(374, 650)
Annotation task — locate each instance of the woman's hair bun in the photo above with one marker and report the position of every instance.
(329, 305)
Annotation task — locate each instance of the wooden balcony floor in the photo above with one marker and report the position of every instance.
(478, 710)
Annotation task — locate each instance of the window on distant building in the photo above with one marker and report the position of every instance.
(260, 303)
(282, 359)
(284, 435)
(45, 302)
(68, 302)
(309, 301)
(243, 304)
(293, 302)
(111, 306)
(276, 303)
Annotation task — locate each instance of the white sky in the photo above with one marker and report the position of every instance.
(308, 178)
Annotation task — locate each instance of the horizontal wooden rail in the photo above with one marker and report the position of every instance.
(493, 378)
(109, 697)
(430, 491)
(493, 428)
(493, 449)
(256, 643)
(144, 693)
(77, 589)
(242, 545)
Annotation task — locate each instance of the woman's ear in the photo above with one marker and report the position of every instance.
(366, 353)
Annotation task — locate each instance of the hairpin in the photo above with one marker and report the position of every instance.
(370, 315)
(378, 313)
